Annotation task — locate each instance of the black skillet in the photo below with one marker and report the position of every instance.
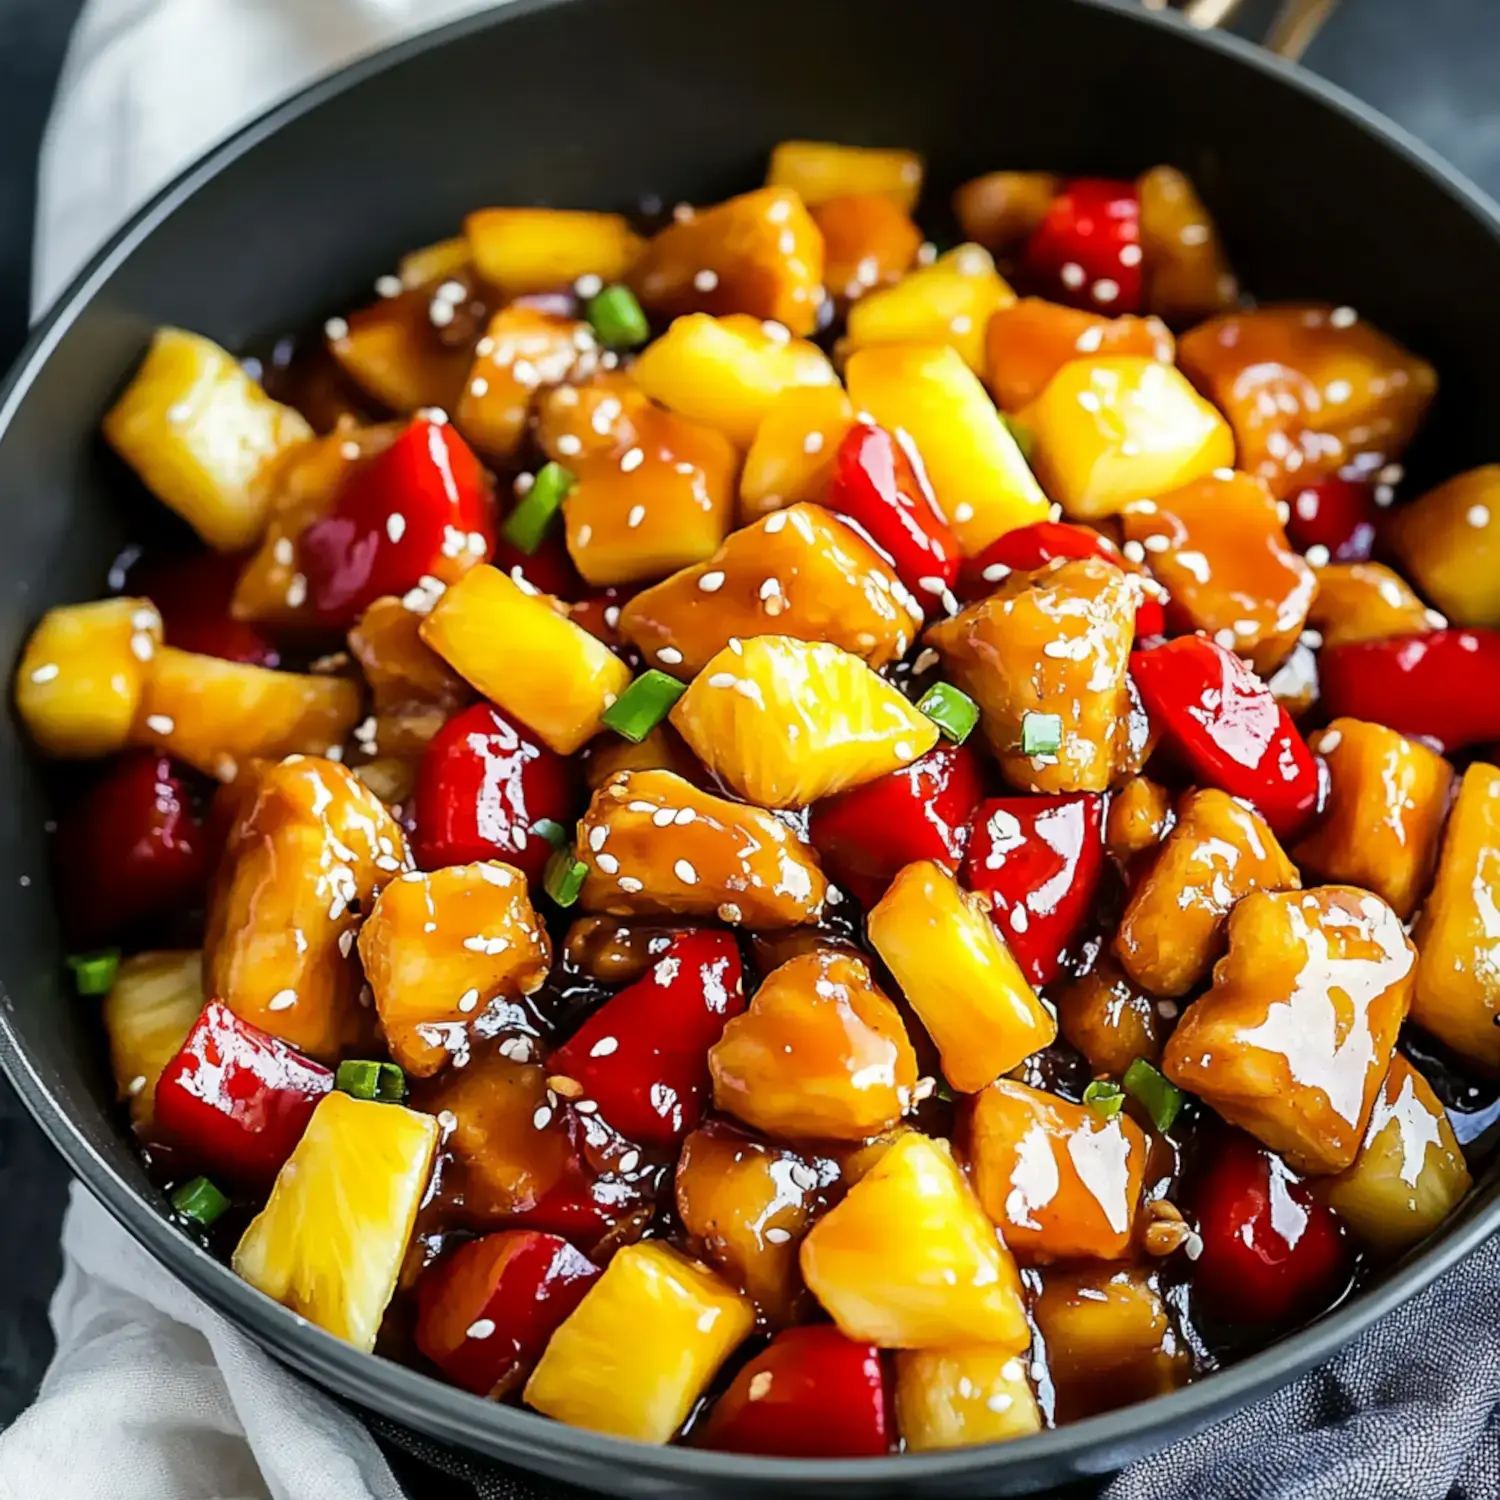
(599, 103)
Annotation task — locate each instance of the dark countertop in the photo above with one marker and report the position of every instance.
(1430, 64)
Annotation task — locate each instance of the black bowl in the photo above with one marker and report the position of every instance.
(597, 103)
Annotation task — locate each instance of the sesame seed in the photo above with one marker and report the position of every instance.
(1106, 290)
(927, 253)
(636, 516)
(813, 443)
(336, 329)
(1337, 391)
(629, 884)
(1193, 234)
(1225, 638)
(296, 591)
(160, 724)
(1130, 255)
(282, 1000)
(1317, 555)
(630, 1161)
(706, 280)
(480, 1328)
(1343, 317)
(711, 582)
(346, 942)
(605, 1046)
(388, 286)
(516, 1048)
(995, 573)
(1330, 741)
(395, 526)
(1134, 552)
(1478, 515)
(775, 1236)
(903, 750)
(46, 672)
(962, 512)
(468, 1001)
(685, 872)
(762, 1380)
(542, 1118)
(607, 863)
(1073, 275)
(283, 551)
(478, 386)
(670, 655)
(569, 445)
(589, 285)
(440, 313)
(632, 461)
(962, 324)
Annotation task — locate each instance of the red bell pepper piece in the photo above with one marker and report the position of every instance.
(812, 1393)
(1087, 251)
(192, 595)
(131, 849)
(599, 614)
(1444, 686)
(1039, 860)
(549, 568)
(485, 1312)
(482, 787)
(876, 485)
(642, 1057)
(1335, 513)
(1228, 728)
(237, 1097)
(1272, 1252)
(922, 811)
(409, 512)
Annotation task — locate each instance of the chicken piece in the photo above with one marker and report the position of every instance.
(785, 722)
(759, 254)
(1308, 389)
(958, 975)
(411, 351)
(1111, 429)
(963, 1396)
(308, 850)
(595, 418)
(1449, 543)
(200, 432)
(1387, 799)
(1109, 1019)
(1220, 549)
(1055, 642)
(1140, 817)
(747, 1205)
(521, 250)
(1188, 276)
(1002, 210)
(792, 456)
(909, 1261)
(150, 1008)
(657, 846)
(1219, 851)
(1292, 1041)
(1028, 342)
(1367, 602)
(868, 242)
(821, 1054)
(616, 951)
(1410, 1172)
(800, 572)
(1458, 972)
(1060, 1182)
(661, 750)
(414, 693)
(819, 170)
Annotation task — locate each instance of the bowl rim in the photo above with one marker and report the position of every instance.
(1094, 1445)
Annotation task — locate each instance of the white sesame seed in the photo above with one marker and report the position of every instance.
(479, 386)
(607, 863)
(711, 582)
(636, 516)
(605, 1046)
(706, 280)
(283, 551)
(1073, 275)
(468, 1001)
(282, 1000)
(629, 884)
(1343, 317)
(685, 872)
(632, 460)
(395, 526)
(1317, 555)
(1134, 552)
(1478, 515)
(46, 672)
(629, 1161)
(962, 512)
(1130, 255)
(670, 655)
(1336, 392)
(480, 1328)
(542, 1118)
(776, 1236)
(569, 444)
(336, 329)
(1106, 290)
(160, 724)
(439, 313)
(903, 750)
(589, 285)
(995, 573)
(296, 591)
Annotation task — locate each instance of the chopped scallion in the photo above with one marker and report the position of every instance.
(94, 973)
(1162, 1100)
(526, 526)
(953, 712)
(199, 1201)
(618, 320)
(365, 1079)
(564, 877)
(551, 830)
(1025, 438)
(1041, 734)
(643, 705)
(1104, 1098)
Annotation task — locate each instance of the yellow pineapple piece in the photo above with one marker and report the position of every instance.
(909, 1261)
(522, 654)
(148, 1012)
(819, 170)
(963, 1396)
(199, 430)
(958, 975)
(523, 250)
(949, 302)
(792, 456)
(785, 722)
(642, 1346)
(216, 714)
(439, 949)
(434, 262)
(81, 677)
(979, 478)
(728, 372)
(330, 1241)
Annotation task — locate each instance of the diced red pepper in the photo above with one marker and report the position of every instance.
(642, 1057)
(192, 594)
(410, 512)
(131, 849)
(1229, 730)
(237, 1097)
(1039, 860)
(1272, 1253)
(922, 811)
(1335, 513)
(485, 1312)
(1087, 251)
(876, 485)
(1444, 686)
(482, 787)
(549, 568)
(812, 1393)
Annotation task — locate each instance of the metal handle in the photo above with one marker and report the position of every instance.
(1297, 21)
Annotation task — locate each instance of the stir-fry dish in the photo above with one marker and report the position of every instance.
(741, 830)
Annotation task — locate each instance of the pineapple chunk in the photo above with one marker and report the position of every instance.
(958, 975)
(963, 1396)
(440, 949)
(1295, 1036)
(216, 714)
(198, 431)
(1002, 210)
(792, 456)
(150, 1008)
(525, 656)
(412, 689)
(1449, 544)
(1410, 1173)
(979, 478)
(1187, 273)
(1387, 799)
(909, 1261)
(727, 372)
(523, 250)
(800, 572)
(1109, 1019)
(712, 857)
(1109, 431)
(820, 1054)
(759, 254)
(82, 675)
(308, 848)
(330, 1241)
(1366, 602)
(949, 302)
(1458, 971)
(434, 262)
(785, 722)
(819, 170)
(867, 242)
(1061, 1183)
(661, 750)
(397, 350)
(600, 1372)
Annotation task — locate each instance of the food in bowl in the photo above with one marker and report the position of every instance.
(728, 829)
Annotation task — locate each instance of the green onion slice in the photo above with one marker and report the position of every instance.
(643, 705)
(1104, 1098)
(371, 1080)
(618, 320)
(953, 712)
(1041, 734)
(199, 1201)
(1162, 1100)
(564, 877)
(527, 525)
(551, 830)
(94, 973)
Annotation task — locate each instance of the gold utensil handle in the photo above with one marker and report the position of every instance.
(1296, 23)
